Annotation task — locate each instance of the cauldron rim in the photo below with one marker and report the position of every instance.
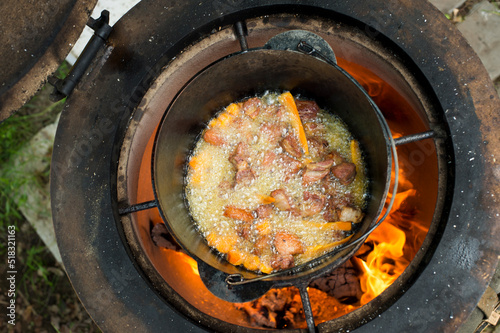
(314, 266)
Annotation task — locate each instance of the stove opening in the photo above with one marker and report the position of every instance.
(366, 284)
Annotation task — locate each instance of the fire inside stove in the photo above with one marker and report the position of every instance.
(384, 256)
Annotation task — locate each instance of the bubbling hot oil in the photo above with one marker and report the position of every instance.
(210, 185)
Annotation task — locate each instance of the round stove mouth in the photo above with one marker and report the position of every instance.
(134, 187)
(104, 132)
(265, 70)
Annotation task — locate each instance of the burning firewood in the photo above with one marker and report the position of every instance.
(342, 283)
(162, 238)
(278, 308)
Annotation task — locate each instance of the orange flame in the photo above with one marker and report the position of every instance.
(396, 241)
(385, 262)
(391, 252)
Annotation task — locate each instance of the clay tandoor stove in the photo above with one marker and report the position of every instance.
(434, 92)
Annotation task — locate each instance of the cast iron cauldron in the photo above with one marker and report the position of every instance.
(244, 75)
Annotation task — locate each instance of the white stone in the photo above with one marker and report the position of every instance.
(481, 28)
(447, 6)
(33, 159)
(116, 8)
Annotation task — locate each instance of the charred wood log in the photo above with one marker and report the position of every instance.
(342, 283)
(278, 308)
(162, 238)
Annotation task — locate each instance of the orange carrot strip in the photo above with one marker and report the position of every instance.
(345, 226)
(266, 269)
(196, 164)
(238, 214)
(356, 154)
(251, 262)
(236, 257)
(266, 199)
(233, 108)
(226, 117)
(287, 100)
(199, 165)
(263, 227)
(223, 244)
(313, 250)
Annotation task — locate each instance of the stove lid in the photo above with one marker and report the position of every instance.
(36, 37)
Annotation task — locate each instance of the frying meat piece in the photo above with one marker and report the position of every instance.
(283, 202)
(339, 198)
(245, 230)
(272, 132)
(345, 172)
(313, 203)
(243, 126)
(287, 243)
(281, 112)
(350, 214)
(252, 107)
(290, 165)
(333, 205)
(264, 211)
(238, 214)
(316, 171)
(317, 147)
(270, 109)
(268, 160)
(214, 136)
(291, 145)
(311, 176)
(308, 110)
(280, 261)
(331, 187)
(335, 157)
(320, 166)
(240, 159)
(262, 245)
(244, 177)
(314, 129)
(224, 187)
(336, 201)
(330, 214)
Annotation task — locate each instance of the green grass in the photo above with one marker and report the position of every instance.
(15, 132)
(497, 9)
(43, 290)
